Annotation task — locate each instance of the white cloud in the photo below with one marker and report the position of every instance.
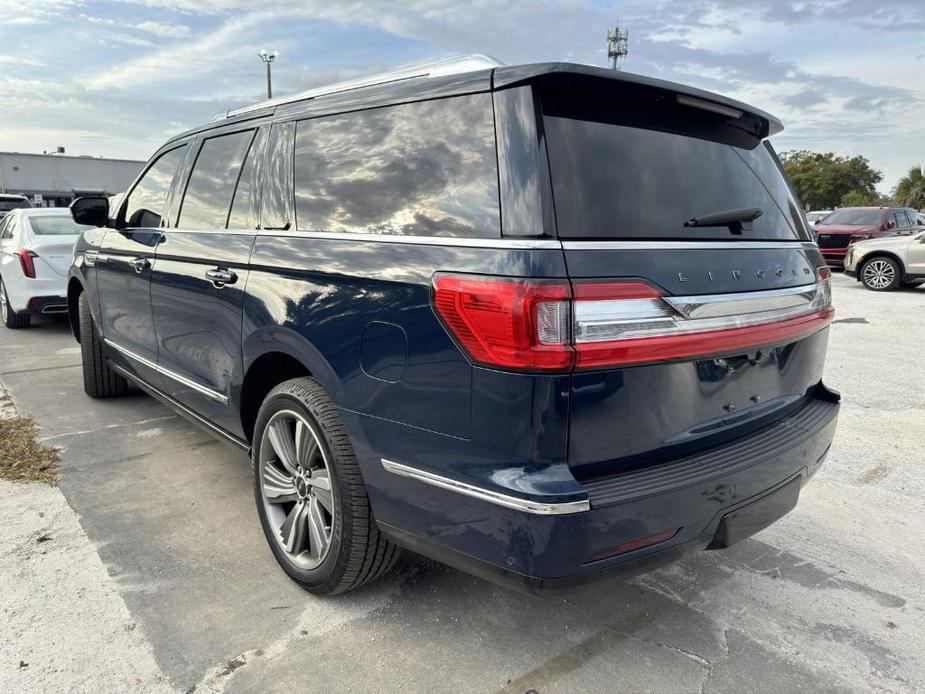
(21, 61)
(162, 29)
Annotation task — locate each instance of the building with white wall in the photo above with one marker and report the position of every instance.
(56, 179)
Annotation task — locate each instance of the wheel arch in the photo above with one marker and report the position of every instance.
(74, 289)
(273, 356)
(883, 254)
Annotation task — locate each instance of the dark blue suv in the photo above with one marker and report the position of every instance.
(541, 322)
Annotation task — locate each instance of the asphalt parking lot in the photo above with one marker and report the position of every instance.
(829, 599)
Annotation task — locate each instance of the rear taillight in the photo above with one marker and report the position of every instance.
(26, 261)
(532, 325)
(516, 324)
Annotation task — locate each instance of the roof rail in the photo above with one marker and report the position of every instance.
(448, 66)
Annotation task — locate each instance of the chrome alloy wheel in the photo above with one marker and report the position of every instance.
(295, 486)
(879, 274)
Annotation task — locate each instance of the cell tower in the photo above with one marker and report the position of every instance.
(617, 46)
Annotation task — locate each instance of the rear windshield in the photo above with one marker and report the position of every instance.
(62, 225)
(614, 176)
(849, 217)
(7, 205)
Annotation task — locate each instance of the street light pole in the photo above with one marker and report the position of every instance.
(268, 57)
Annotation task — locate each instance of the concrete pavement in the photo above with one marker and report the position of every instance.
(829, 599)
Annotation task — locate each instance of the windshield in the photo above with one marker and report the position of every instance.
(853, 217)
(55, 225)
(615, 176)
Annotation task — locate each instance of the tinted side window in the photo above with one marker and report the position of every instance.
(425, 169)
(244, 208)
(212, 182)
(147, 201)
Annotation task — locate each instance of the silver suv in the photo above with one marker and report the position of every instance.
(887, 263)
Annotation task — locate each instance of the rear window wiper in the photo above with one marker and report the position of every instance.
(737, 220)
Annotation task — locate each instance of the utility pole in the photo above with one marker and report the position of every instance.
(268, 57)
(617, 46)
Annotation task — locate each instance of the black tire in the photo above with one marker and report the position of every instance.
(11, 319)
(100, 380)
(357, 552)
(880, 274)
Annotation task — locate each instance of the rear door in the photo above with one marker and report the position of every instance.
(199, 276)
(697, 307)
(123, 267)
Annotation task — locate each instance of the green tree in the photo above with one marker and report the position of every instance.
(822, 179)
(910, 191)
(856, 198)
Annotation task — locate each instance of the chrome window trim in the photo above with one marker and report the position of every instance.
(684, 245)
(208, 392)
(508, 243)
(492, 497)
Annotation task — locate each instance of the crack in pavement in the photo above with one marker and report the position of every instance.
(80, 432)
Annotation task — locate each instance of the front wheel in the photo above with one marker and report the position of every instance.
(311, 498)
(881, 274)
(100, 380)
(10, 318)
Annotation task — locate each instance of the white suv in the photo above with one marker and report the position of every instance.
(36, 247)
(887, 263)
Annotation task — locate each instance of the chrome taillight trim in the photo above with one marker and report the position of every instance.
(598, 321)
(718, 305)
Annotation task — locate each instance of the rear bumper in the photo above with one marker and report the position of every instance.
(690, 495)
(48, 305)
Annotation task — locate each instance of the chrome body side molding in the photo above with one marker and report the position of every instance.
(173, 375)
(181, 408)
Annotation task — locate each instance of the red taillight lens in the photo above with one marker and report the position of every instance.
(517, 324)
(27, 263)
(552, 325)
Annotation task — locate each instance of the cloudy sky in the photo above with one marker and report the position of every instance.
(118, 78)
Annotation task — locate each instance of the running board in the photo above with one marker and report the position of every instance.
(181, 409)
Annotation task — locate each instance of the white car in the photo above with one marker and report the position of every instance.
(815, 215)
(36, 247)
(888, 262)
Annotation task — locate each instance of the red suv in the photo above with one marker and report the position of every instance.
(849, 224)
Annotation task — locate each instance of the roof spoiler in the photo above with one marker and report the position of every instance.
(756, 122)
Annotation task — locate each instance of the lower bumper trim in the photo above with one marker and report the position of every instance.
(489, 495)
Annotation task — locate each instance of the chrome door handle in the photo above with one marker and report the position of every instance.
(140, 264)
(220, 277)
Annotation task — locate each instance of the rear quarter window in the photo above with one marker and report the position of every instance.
(426, 169)
(49, 225)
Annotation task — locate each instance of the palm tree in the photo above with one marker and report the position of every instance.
(910, 191)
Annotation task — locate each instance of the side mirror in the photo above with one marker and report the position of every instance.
(92, 210)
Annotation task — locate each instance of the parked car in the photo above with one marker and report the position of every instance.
(12, 202)
(889, 263)
(36, 248)
(817, 215)
(849, 225)
(370, 291)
